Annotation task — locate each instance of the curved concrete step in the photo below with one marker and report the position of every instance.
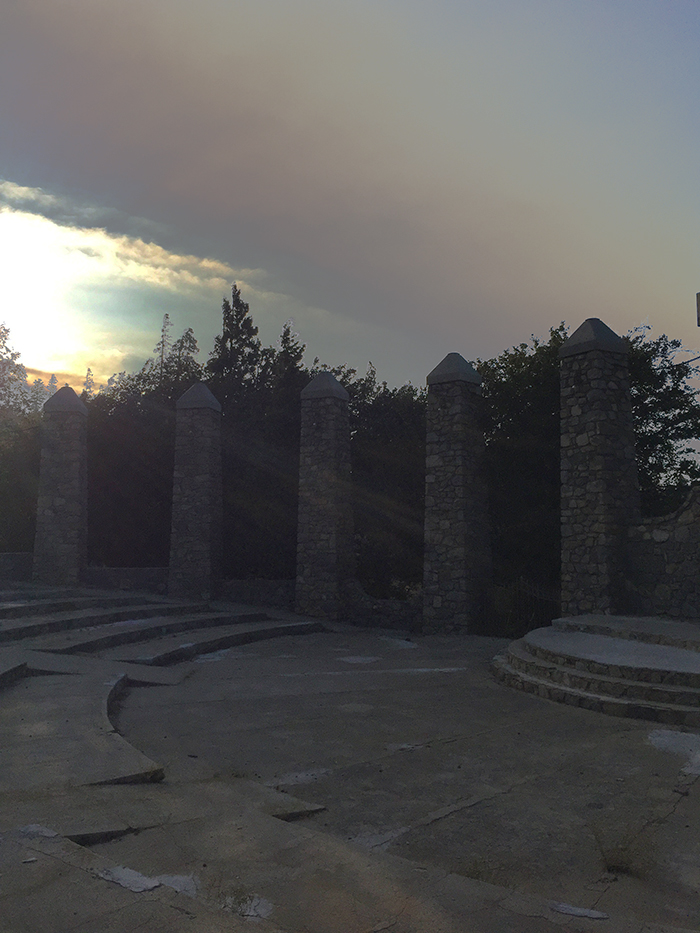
(112, 634)
(12, 667)
(616, 657)
(56, 730)
(32, 626)
(172, 649)
(597, 684)
(670, 714)
(26, 606)
(45, 662)
(625, 676)
(647, 629)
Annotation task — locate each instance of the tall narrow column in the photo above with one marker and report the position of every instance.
(60, 543)
(325, 557)
(457, 558)
(195, 535)
(599, 487)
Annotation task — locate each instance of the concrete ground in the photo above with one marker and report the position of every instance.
(418, 756)
(346, 781)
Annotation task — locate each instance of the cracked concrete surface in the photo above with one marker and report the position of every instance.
(435, 766)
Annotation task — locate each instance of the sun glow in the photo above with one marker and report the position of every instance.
(55, 282)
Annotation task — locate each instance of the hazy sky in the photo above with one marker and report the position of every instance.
(402, 179)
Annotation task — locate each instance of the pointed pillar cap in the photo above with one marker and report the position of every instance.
(325, 385)
(593, 334)
(65, 399)
(199, 396)
(454, 368)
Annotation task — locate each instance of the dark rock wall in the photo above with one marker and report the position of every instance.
(325, 554)
(457, 561)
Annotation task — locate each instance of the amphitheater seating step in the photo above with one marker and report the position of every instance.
(12, 667)
(56, 728)
(24, 605)
(178, 647)
(34, 625)
(112, 634)
(647, 629)
(612, 665)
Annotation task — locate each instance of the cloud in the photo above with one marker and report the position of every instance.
(102, 296)
(463, 191)
(10, 193)
(76, 313)
(67, 211)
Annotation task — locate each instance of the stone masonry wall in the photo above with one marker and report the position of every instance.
(195, 537)
(16, 565)
(665, 573)
(325, 556)
(60, 543)
(258, 592)
(599, 488)
(457, 557)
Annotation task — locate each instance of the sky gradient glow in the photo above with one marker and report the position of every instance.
(401, 179)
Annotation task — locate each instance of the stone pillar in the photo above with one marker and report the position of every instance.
(325, 553)
(599, 486)
(60, 543)
(195, 534)
(457, 557)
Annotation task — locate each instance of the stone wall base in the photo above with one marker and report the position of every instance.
(16, 565)
(663, 576)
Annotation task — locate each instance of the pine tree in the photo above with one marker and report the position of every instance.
(181, 365)
(89, 384)
(38, 394)
(235, 361)
(162, 348)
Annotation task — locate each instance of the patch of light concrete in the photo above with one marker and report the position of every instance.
(579, 911)
(250, 907)
(686, 744)
(34, 829)
(212, 656)
(183, 884)
(138, 883)
(128, 878)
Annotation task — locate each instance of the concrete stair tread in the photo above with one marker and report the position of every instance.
(56, 730)
(606, 683)
(622, 653)
(32, 626)
(44, 662)
(25, 605)
(181, 646)
(12, 667)
(669, 713)
(637, 628)
(127, 631)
